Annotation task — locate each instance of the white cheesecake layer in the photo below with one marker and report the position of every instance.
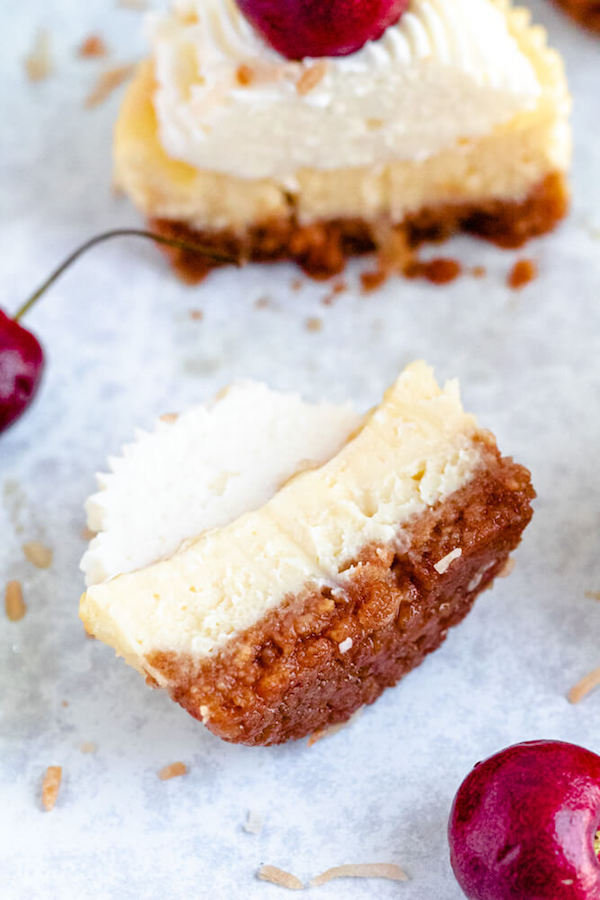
(203, 470)
(448, 71)
(416, 448)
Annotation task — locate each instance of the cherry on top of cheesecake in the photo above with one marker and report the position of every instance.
(301, 28)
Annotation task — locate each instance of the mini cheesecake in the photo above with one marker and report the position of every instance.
(456, 118)
(274, 565)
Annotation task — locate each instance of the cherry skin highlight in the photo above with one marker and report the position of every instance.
(21, 365)
(523, 824)
(300, 28)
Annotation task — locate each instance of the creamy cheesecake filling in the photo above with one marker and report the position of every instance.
(203, 469)
(413, 451)
(445, 73)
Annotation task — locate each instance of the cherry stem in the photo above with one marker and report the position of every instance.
(214, 255)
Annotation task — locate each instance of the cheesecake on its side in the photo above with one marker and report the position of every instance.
(309, 601)
(456, 118)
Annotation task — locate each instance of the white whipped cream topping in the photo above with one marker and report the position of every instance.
(448, 71)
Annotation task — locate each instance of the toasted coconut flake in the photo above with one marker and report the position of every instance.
(169, 418)
(92, 47)
(346, 645)
(253, 823)
(173, 770)
(507, 568)
(583, 687)
(51, 786)
(311, 77)
(442, 565)
(108, 82)
(13, 601)
(38, 554)
(390, 871)
(280, 877)
(38, 63)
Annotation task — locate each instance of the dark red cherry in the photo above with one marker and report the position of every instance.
(21, 366)
(299, 28)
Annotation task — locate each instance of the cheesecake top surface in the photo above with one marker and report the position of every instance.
(412, 451)
(204, 468)
(447, 71)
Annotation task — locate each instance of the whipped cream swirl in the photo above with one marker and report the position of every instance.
(449, 71)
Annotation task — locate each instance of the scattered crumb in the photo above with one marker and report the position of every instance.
(592, 595)
(444, 564)
(523, 271)
(583, 687)
(297, 284)
(88, 747)
(92, 47)
(346, 645)
(51, 786)
(361, 870)
(196, 315)
(173, 770)
(280, 877)
(38, 554)
(313, 323)
(169, 418)
(262, 303)
(13, 601)
(64, 703)
(38, 62)
(479, 271)
(108, 82)
(87, 534)
(440, 270)
(337, 288)
(311, 76)
(507, 568)
(370, 281)
(332, 729)
(253, 823)
(244, 75)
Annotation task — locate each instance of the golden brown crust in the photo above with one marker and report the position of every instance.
(322, 248)
(586, 12)
(287, 676)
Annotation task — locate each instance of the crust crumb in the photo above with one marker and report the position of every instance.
(583, 687)
(92, 47)
(311, 77)
(523, 271)
(442, 565)
(173, 770)
(38, 63)
(196, 315)
(279, 876)
(390, 871)
(108, 82)
(313, 323)
(38, 554)
(13, 601)
(337, 288)
(51, 786)
(244, 75)
(262, 303)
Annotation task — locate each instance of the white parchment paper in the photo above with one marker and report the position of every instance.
(122, 348)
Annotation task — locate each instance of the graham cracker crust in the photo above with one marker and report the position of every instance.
(295, 672)
(321, 249)
(586, 12)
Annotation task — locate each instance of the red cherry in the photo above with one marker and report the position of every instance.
(299, 28)
(524, 822)
(21, 365)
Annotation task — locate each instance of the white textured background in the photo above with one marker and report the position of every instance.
(121, 349)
